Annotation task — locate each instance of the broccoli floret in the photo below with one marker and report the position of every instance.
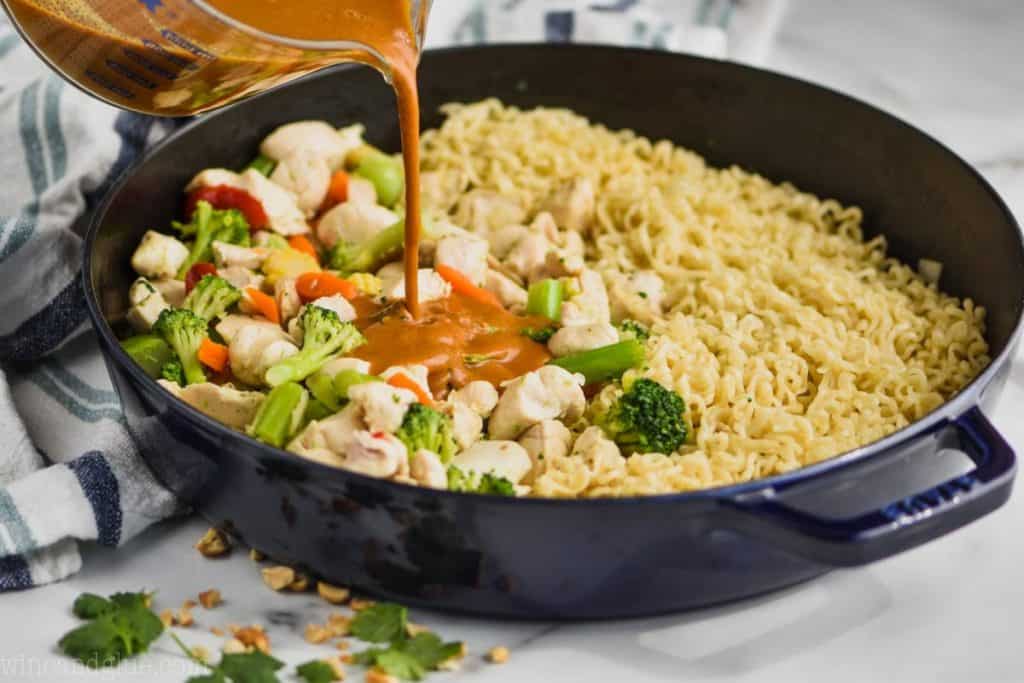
(631, 329)
(209, 225)
(325, 337)
(646, 418)
(541, 335)
(184, 331)
(212, 297)
(487, 484)
(173, 372)
(280, 415)
(427, 428)
(369, 255)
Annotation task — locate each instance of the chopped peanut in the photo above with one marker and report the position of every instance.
(216, 630)
(254, 636)
(188, 604)
(454, 662)
(336, 595)
(338, 624)
(184, 617)
(278, 578)
(342, 645)
(316, 633)
(256, 555)
(234, 647)
(358, 604)
(300, 584)
(376, 675)
(498, 655)
(213, 543)
(336, 667)
(348, 658)
(167, 618)
(234, 628)
(210, 599)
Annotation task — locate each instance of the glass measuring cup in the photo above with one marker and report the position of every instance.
(178, 57)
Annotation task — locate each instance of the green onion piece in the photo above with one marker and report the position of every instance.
(150, 352)
(604, 363)
(545, 298)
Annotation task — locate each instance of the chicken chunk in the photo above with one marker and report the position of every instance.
(544, 394)
(242, 278)
(229, 325)
(529, 256)
(224, 403)
(468, 255)
(589, 303)
(338, 304)
(467, 424)
(306, 175)
(501, 458)
(576, 338)
(287, 297)
(212, 177)
(511, 295)
(158, 256)
(428, 470)
(353, 222)
(283, 214)
(147, 303)
(479, 396)
(328, 440)
(226, 255)
(503, 240)
(594, 446)
(383, 406)
(639, 296)
(485, 211)
(316, 137)
(375, 454)
(432, 287)
(361, 191)
(546, 440)
(390, 275)
(253, 348)
(572, 204)
(173, 291)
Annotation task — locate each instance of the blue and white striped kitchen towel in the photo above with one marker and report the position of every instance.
(69, 470)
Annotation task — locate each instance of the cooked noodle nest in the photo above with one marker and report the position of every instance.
(791, 336)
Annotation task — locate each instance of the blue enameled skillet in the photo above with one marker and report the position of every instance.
(599, 558)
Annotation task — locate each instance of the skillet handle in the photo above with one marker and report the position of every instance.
(914, 519)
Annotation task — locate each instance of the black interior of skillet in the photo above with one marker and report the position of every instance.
(923, 198)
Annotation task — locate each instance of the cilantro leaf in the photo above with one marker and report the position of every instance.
(90, 606)
(381, 623)
(401, 664)
(120, 627)
(429, 650)
(316, 671)
(250, 667)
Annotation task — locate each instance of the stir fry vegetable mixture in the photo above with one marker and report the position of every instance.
(275, 307)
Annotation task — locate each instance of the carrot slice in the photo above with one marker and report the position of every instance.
(463, 285)
(337, 192)
(264, 304)
(213, 355)
(302, 243)
(403, 381)
(314, 285)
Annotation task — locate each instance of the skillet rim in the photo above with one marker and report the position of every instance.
(967, 398)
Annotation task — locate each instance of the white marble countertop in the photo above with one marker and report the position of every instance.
(938, 613)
